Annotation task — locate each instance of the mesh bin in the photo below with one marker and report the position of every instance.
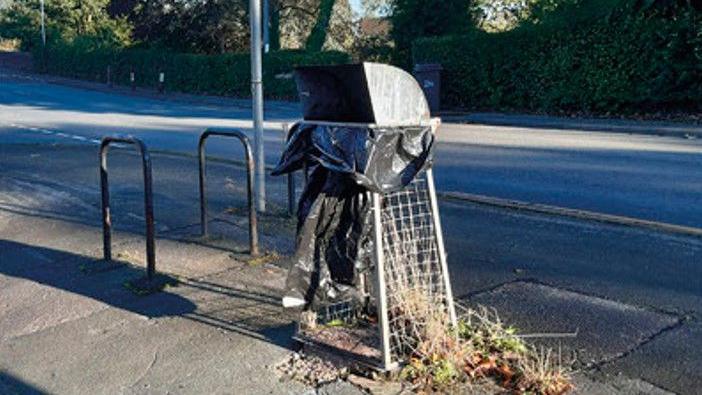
(368, 125)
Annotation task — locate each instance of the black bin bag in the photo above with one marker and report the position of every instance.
(334, 230)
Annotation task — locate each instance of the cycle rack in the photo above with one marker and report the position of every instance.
(253, 222)
(148, 201)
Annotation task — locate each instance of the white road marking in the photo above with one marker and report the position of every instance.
(54, 132)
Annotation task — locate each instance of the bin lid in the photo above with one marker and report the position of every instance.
(370, 93)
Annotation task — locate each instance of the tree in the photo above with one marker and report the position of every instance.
(501, 15)
(65, 20)
(312, 24)
(316, 39)
(412, 19)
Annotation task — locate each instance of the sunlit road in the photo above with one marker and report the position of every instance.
(648, 177)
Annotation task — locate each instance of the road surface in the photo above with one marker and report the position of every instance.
(647, 177)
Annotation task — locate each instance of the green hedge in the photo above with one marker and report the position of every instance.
(618, 63)
(227, 75)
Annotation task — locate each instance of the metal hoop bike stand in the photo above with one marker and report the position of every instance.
(148, 201)
(253, 222)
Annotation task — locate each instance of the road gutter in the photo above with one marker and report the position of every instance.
(572, 213)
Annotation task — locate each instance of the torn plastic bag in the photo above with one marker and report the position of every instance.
(333, 244)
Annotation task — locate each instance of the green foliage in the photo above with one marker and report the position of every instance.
(412, 19)
(600, 56)
(215, 26)
(65, 20)
(501, 15)
(226, 74)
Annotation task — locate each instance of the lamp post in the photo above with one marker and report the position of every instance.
(257, 101)
(43, 37)
(43, 29)
(266, 26)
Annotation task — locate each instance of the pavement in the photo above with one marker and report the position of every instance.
(687, 130)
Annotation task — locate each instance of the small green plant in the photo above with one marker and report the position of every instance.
(480, 348)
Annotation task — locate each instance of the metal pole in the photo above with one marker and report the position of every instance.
(266, 25)
(257, 102)
(203, 188)
(43, 29)
(438, 233)
(105, 189)
(43, 38)
(383, 316)
(148, 212)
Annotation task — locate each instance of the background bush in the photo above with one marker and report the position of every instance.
(600, 56)
(225, 74)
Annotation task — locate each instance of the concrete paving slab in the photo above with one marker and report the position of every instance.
(58, 235)
(180, 259)
(245, 299)
(42, 294)
(672, 360)
(116, 352)
(228, 232)
(605, 329)
(21, 314)
(338, 388)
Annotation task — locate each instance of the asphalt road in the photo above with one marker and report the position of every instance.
(647, 177)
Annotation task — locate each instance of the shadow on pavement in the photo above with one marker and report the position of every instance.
(241, 310)
(62, 270)
(13, 385)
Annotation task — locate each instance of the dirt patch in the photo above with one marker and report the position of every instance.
(361, 341)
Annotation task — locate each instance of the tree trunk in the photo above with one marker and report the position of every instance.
(274, 27)
(318, 36)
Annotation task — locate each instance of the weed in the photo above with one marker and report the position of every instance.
(479, 348)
